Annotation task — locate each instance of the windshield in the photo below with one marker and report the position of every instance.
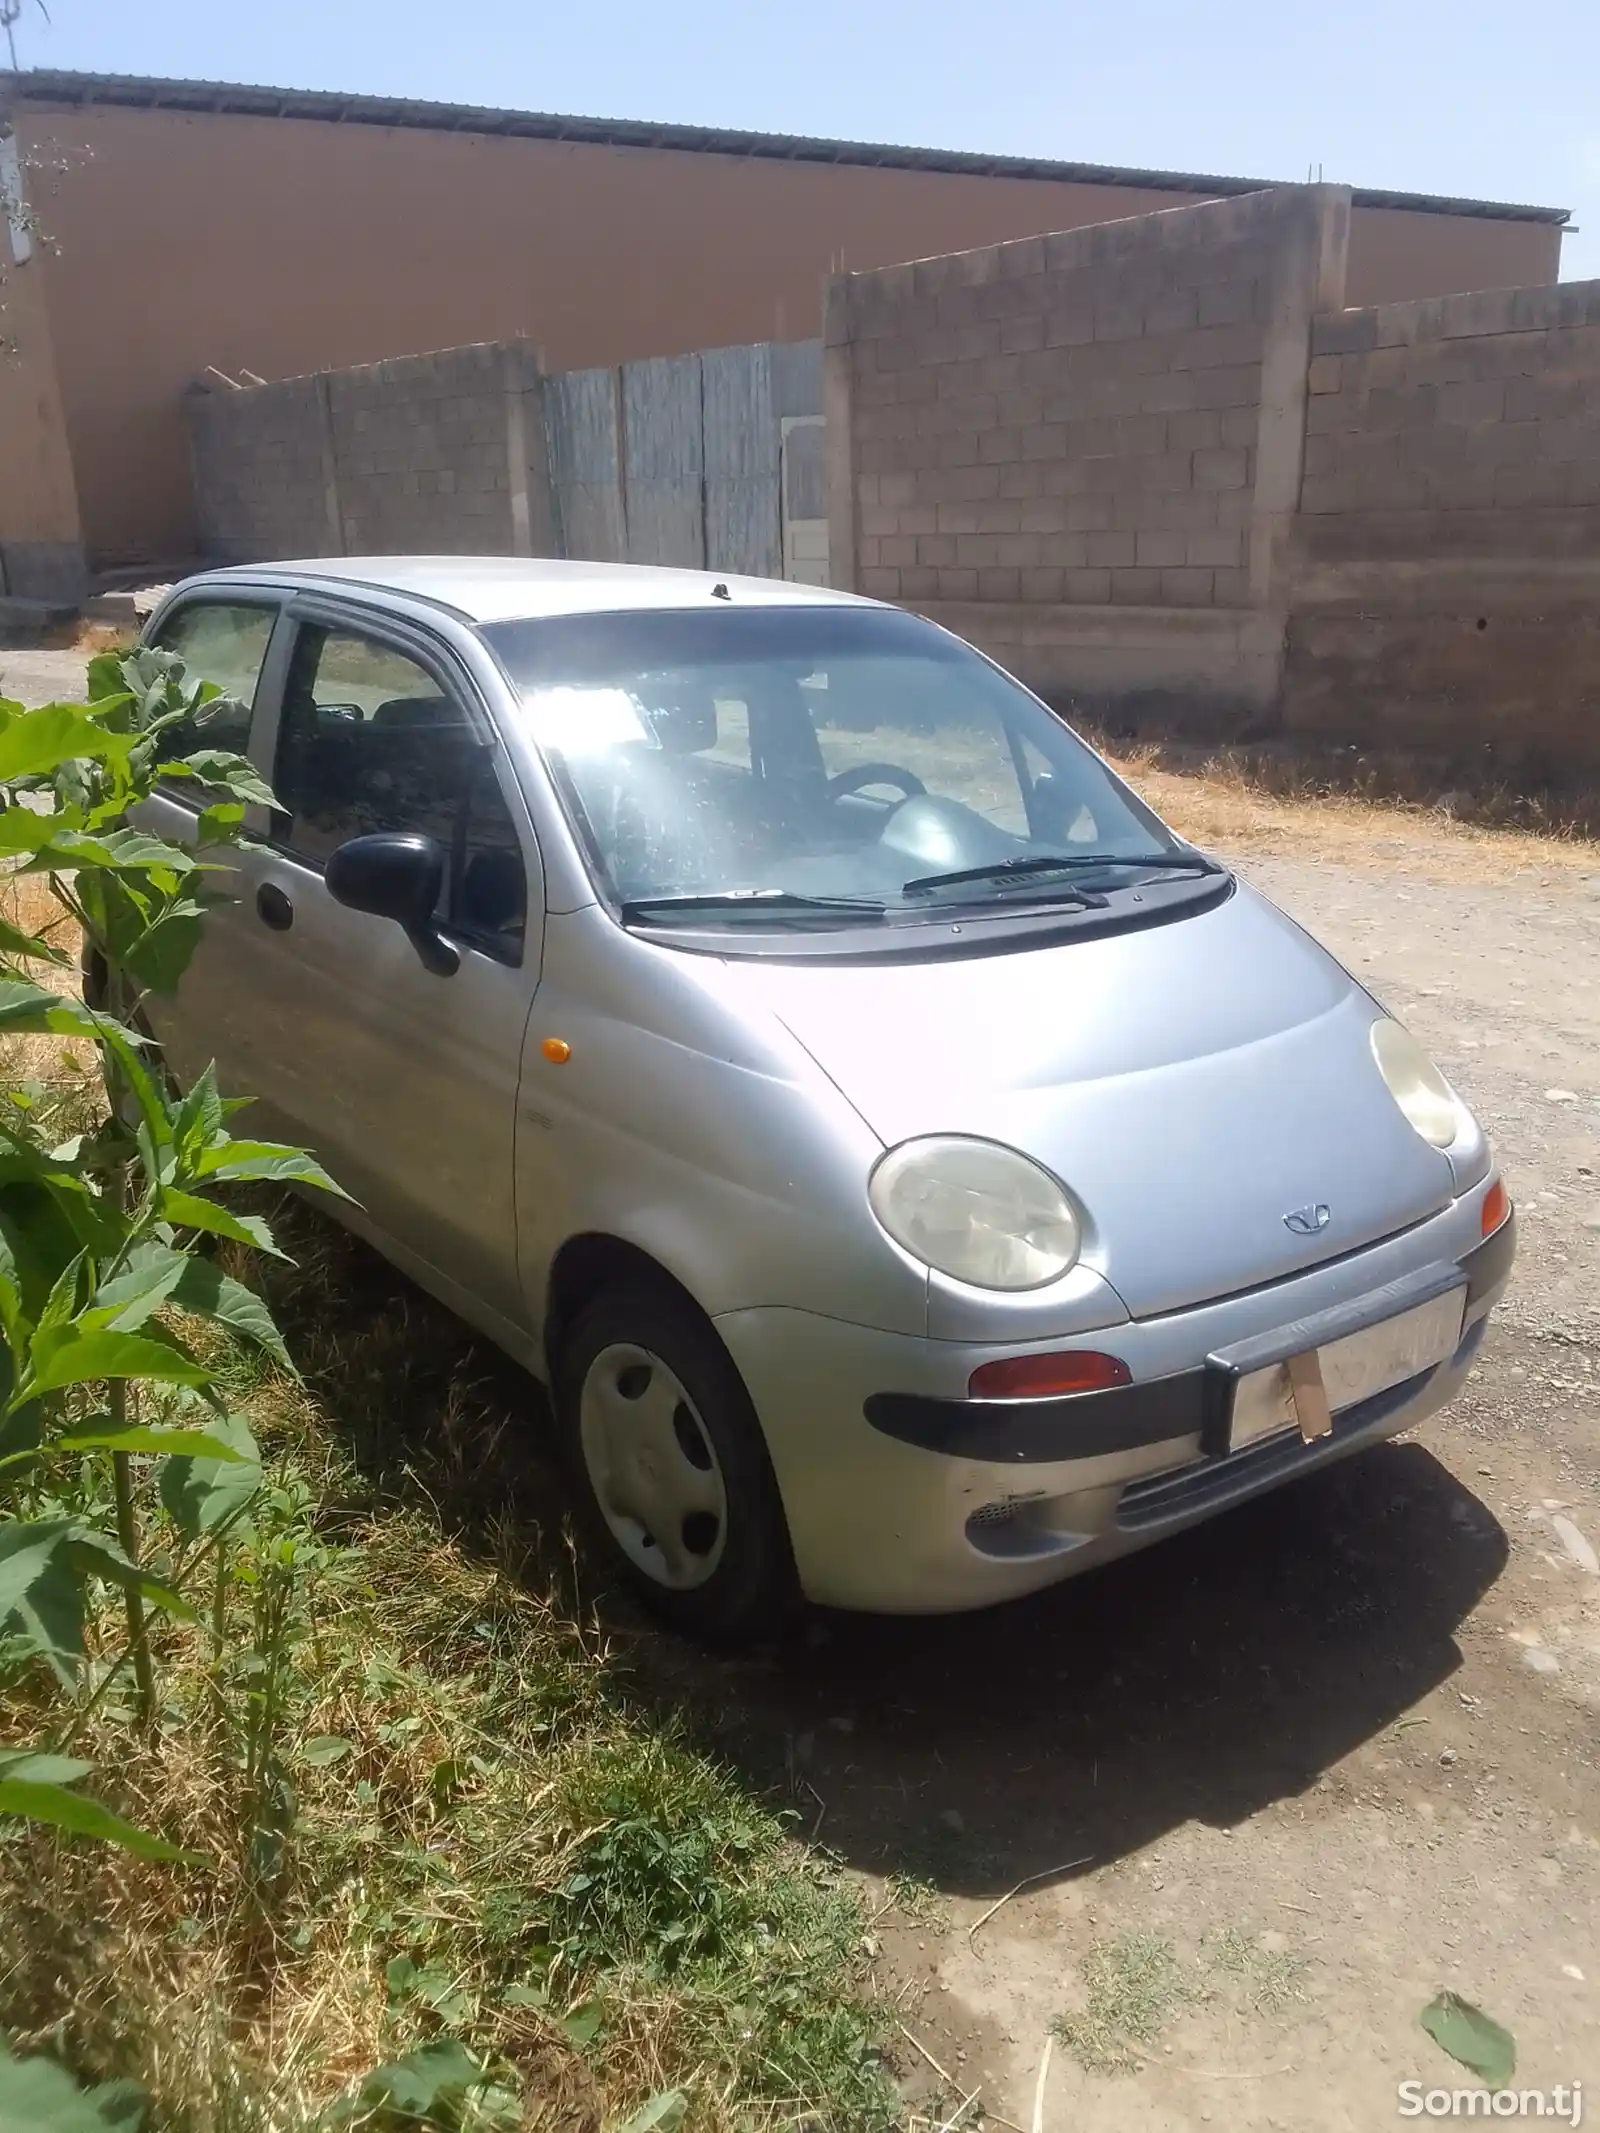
(813, 753)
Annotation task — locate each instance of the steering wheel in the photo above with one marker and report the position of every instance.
(863, 774)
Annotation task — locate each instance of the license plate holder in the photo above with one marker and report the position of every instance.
(1284, 1394)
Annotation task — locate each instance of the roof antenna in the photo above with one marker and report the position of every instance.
(719, 591)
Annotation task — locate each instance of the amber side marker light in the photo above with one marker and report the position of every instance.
(556, 1050)
(1038, 1377)
(1496, 1206)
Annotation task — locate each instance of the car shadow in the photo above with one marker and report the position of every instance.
(1198, 1681)
(1229, 1667)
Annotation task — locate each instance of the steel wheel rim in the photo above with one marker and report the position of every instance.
(653, 1468)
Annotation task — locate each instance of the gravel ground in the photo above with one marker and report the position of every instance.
(1333, 1753)
(33, 677)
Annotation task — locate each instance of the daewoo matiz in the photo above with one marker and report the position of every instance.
(918, 1174)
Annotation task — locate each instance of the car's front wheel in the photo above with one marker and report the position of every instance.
(670, 1465)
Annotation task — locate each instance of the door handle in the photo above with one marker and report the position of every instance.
(274, 906)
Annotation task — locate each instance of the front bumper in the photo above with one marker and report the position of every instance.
(919, 1500)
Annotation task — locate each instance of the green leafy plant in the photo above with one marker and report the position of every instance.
(37, 2096)
(101, 1232)
(439, 2087)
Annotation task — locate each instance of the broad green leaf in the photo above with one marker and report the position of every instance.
(141, 1437)
(1471, 2037)
(42, 1769)
(188, 1211)
(327, 1748)
(123, 848)
(210, 1293)
(218, 824)
(37, 741)
(158, 1274)
(64, 1356)
(203, 1495)
(220, 767)
(39, 1198)
(664, 2113)
(65, 1809)
(270, 1161)
(49, 1213)
(423, 2081)
(582, 2025)
(28, 1010)
(27, 1548)
(14, 941)
(41, 1592)
(164, 951)
(122, 2105)
(98, 1555)
(151, 1273)
(38, 2096)
(198, 1118)
(106, 679)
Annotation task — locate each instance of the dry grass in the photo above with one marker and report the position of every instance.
(486, 1796)
(1274, 806)
(85, 635)
(45, 1067)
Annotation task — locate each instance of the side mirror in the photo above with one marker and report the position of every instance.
(398, 875)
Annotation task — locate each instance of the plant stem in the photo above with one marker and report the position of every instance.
(128, 1535)
(219, 1626)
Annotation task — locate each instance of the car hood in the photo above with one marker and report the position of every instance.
(1194, 1083)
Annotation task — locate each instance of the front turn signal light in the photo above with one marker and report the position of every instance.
(1041, 1377)
(1496, 1207)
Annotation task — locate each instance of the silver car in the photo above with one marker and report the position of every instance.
(917, 1174)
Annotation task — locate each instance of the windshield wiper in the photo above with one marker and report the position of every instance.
(758, 900)
(1003, 870)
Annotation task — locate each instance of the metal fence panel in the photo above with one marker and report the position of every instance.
(664, 461)
(582, 425)
(743, 522)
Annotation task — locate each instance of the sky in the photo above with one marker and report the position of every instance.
(1475, 98)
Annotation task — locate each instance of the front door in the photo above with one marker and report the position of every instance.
(229, 641)
(403, 1082)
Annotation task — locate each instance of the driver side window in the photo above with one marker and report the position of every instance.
(368, 741)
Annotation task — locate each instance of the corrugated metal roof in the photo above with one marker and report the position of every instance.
(42, 85)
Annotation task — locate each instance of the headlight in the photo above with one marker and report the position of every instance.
(1415, 1083)
(976, 1211)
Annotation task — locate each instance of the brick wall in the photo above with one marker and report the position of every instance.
(1446, 557)
(1106, 419)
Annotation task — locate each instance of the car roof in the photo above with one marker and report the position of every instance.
(500, 588)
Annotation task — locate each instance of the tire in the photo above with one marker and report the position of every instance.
(658, 1432)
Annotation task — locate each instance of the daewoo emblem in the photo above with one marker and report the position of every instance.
(1306, 1221)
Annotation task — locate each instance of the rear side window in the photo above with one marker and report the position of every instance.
(223, 642)
(369, 741)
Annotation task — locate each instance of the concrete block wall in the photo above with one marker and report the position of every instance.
(1023, 437)
(262, 467)
(426, 451)
(1488, 401)
(441, 454)
(1445, 562)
